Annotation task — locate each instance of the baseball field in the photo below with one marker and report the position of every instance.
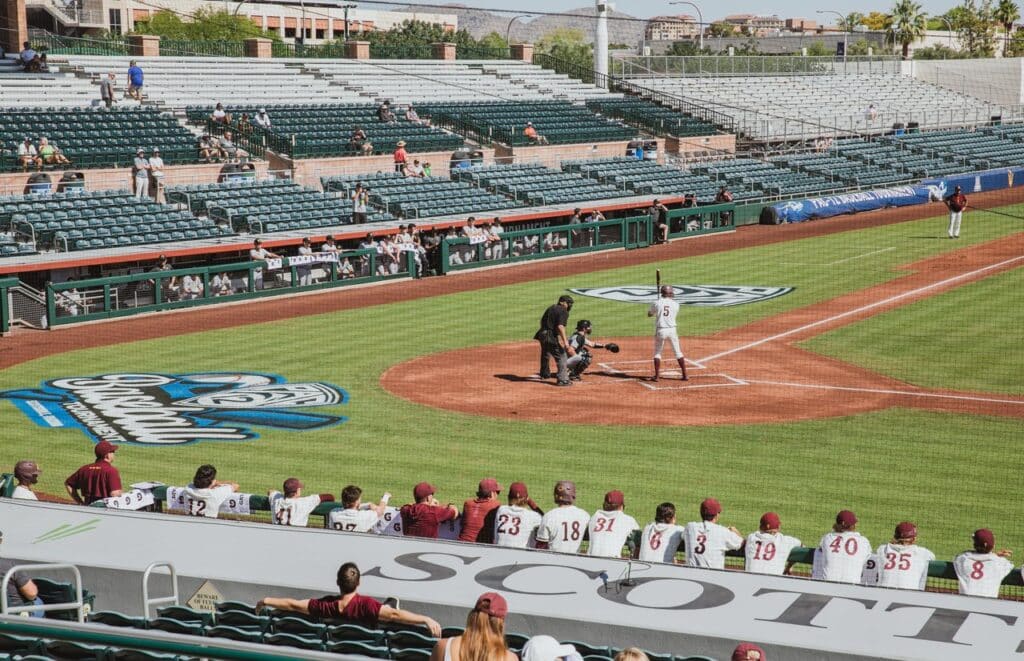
(890, 381)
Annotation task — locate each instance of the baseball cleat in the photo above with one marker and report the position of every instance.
(564, 383)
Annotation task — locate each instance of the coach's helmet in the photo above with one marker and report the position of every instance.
(583, 326)
(565, 492)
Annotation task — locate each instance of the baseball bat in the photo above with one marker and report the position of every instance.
(657, 277)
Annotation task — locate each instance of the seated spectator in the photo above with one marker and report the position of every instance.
(423, 518)
(412, 116)
(221, 285)
(44, 65)
(353, 515)
(28, 156)
(218, 115)
(244, 124)
(27, 55)
(21, 590)
(426, 169)
(483, 637)
(414, 170)
(358, 142)
(562, 528)
(610, 527)
(707, 541)
(349, 606)
(659, 216)
(385, 114)
(191, 287)
(767, 550)
(262, 119)
(842, 553)
(981, 571)
(206, 493)
(723, 195)
(478, 514)
(632, 654)
(662, 538)
(291, 508)
(547, 648)
(515, 524)
(156, 174)
(229, 149)
(901, 563)
(748, 652)
(97, 480)
(26, 472)
(207, 150)
(532, 135)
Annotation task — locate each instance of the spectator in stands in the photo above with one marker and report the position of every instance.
(478, 514)
(748, 652)
(385, 114)
(191, 287)
(221, 285)
(44, 65)
(206, 493)
(871, 114)
(21, 590)
(360, 200)
(562, 528)
(632, 654)
(842, 553)
(659, 216)
(901, 563)
(28, 156)
(411, 115)
(156, 175)
(244, 126)
(484, 636)
(611, 528)
(353, 516)
(532, 136)
(515, 524)
(547, 648)
(662, 538)
(689, 200)
(262, 119)
(414, 170)
(359, 143)
(426, 169)
(981, 571)
(707, 541)
(27, 55)
(349, 606)
(723, 196)
(207, 150)
(107, 89)
(50, 154)
(140, 168)
(135, 80)
(259, 253)
(290, 507)
(400, 157)
(767, 550)
(26, 472)
(423, 518)
(97, 480)
(229, 149)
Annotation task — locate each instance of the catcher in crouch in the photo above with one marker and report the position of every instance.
(582, 345)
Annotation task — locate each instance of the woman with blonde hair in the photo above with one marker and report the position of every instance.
(632, 654)
(484, 637)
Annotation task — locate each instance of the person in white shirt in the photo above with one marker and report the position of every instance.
(305, 271)
(259, 253)
(980, 572)
(562, 529)
(411, 115)
(707, 541)
(206, 493)
(515, 524)
(662, 538)
(767, 550)
(414, 170)
(664, 311)
(329, 247)
(222, 285)
(291, 508)
(262, 119)
(156, 174)
(900, 563)
(353, 515)
(26, 472)
(28, 156)
(842, 553)
(191, 287)
(360, 199)
(218, 115)
(610, 527)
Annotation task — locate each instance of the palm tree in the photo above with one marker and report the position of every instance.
(1006, 13)
(851, 21)
(906, 24)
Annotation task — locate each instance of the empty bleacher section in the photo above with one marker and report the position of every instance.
(651, 116)
(537, 185)
(769, 178)
(311, 131)
(646, 177)
(795, 107)
(420, 198)
(28, 90)
(96, 138)
(103, 219)
(559, 122)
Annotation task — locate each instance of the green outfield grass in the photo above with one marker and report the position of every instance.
(949, 473)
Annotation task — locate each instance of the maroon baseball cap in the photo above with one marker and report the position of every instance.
(770, 521)
(614, 498)
(103, 448)
(743, 653)
(422, 490)
(710, 507)
(517, 490)
(493, 604)
(846, 519)
(489, 484)
(905, 530)
(984, 540)
(292, 485)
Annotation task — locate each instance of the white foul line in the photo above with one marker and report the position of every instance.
(863, 308)
(882, 391)
(839, 261)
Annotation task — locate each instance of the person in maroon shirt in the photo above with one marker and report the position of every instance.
(478, 515)
(349, 606)
(97, 480)
(424, 518)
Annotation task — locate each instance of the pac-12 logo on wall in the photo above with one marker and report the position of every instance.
(172, 409)
(716, 296)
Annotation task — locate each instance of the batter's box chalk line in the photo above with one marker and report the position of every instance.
(643, 367)
(670, 381)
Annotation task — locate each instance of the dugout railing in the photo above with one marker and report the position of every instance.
(6, 284)
(941, 574)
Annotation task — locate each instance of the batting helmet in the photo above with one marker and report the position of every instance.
(583, 324)
(565, 492)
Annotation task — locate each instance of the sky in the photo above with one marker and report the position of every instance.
(711, 10)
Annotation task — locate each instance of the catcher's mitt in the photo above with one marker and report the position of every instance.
(611, 346)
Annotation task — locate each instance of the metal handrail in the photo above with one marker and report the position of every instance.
(148, 601)
(78, 604)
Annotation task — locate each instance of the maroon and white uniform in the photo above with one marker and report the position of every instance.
(768, 552)
(981, 574)
(707, 542)
(516, 527)
(609, 531)
(841, 557)
(659, 542)
(902, 566)
(562, 528)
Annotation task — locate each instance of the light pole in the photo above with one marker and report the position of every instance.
(700, 20)
(508, 30)
(950, 26)
(346, 8)
(842, 21)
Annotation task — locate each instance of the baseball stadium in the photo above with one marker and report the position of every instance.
(515, 349)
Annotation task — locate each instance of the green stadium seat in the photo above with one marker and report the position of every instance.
(176, 626)
(115, 619)
(291, 640)
(235, 633)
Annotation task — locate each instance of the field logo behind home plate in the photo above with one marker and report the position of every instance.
(711, 296)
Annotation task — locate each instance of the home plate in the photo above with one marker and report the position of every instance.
(670, 380)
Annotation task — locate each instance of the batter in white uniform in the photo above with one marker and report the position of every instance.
(664, 311)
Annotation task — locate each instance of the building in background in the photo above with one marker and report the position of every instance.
(671, 28)
(757, 26)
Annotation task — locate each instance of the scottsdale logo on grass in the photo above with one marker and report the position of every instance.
(718, 296)
(171, 409)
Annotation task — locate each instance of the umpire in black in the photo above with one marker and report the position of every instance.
(553, 340)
